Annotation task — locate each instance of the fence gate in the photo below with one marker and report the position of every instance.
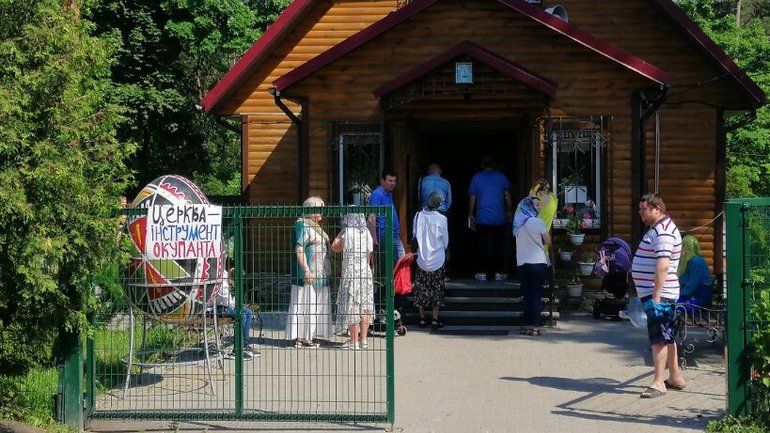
(748, 302)
(183, 363)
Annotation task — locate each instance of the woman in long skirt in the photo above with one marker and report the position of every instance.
(309, 316)
(355, 298)
(432, 236)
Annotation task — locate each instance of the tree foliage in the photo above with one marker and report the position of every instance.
(171, 53)
(748, 147)
(61, 171)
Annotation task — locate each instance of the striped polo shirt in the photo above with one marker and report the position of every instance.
(661, 240)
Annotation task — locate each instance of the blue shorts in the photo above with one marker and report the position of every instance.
(660, 330)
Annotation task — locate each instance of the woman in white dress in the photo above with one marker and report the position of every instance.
(355, 299)
(309, 316)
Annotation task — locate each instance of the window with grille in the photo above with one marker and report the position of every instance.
(578, 146)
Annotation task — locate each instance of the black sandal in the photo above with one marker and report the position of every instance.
(436, 324)
(423, 323)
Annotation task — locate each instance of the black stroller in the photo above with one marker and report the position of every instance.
(614, 266)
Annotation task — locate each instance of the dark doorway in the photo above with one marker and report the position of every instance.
(458, 151)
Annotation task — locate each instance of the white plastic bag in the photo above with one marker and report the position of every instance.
(636, 312)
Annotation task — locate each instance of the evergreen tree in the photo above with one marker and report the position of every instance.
(61, 171)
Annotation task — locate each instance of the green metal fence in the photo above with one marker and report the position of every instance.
(748, 306)
(167, 355)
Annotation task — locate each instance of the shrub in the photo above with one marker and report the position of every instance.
(730, 424)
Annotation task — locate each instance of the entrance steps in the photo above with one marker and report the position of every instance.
(483, 306)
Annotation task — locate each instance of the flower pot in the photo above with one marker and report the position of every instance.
(577, 239)
(565, 255)
(585, 268)
(574, 290)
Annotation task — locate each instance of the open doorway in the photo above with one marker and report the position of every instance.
(458, 151)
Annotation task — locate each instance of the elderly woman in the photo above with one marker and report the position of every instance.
(695, 282)
(531, 239)
(309, 314)
(432, 236)
(355, 298)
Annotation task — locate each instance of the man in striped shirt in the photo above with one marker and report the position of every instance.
(654, 272)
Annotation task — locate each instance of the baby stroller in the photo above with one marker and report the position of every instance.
(614, 266)
(380, 325)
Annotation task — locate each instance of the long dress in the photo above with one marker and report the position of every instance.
(309, 314)
(356, 294)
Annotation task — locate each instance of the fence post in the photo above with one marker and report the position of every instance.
(390, 361)
(736, 356)
(71, 382)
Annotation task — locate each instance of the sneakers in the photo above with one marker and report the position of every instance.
(349, 345)
(481, 276)
(364, 344)
(247, 355)
(501, 276)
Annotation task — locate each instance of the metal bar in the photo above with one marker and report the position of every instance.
(238, 327)
(389, 291)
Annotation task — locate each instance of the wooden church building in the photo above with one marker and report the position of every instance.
(608, 100)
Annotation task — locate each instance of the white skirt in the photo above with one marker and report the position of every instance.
(309, 313)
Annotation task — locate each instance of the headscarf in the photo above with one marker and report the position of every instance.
(690, 249)
(354, 220)
(307, 220)
(524, 211)
(434, 200)
(549, 203)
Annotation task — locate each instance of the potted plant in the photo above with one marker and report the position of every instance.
(586, 263)
(574, 226)
(565, 252)
(574, 286)
(573, 186)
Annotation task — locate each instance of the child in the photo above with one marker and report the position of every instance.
(225, 304)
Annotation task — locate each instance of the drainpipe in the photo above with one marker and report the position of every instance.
(303, 152)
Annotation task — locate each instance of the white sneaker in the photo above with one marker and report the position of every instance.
(349, 345)
(501, 276)
(481, 276)
(364, 344)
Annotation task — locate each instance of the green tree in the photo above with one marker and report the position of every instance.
(61, 171)
(172, 52)
(748, 147)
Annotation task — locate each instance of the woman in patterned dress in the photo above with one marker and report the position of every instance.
(432, 236)
(355, 299)
(309, 315)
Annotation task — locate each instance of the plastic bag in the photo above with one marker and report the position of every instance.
(636, 312)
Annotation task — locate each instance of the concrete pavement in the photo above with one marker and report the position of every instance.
(584, 375)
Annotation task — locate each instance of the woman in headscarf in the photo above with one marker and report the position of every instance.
(432, 236)
(531, 239)
(309, 314)
(355, 298)
(549, 203)
(695, 282)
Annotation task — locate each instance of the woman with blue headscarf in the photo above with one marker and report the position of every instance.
(531, 238)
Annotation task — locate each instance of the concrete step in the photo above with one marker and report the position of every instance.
(476, 318)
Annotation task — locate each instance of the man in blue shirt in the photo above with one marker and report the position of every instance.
(489, 208)
(383, 196)
(434, 182)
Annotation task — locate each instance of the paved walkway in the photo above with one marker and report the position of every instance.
(584, 375)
